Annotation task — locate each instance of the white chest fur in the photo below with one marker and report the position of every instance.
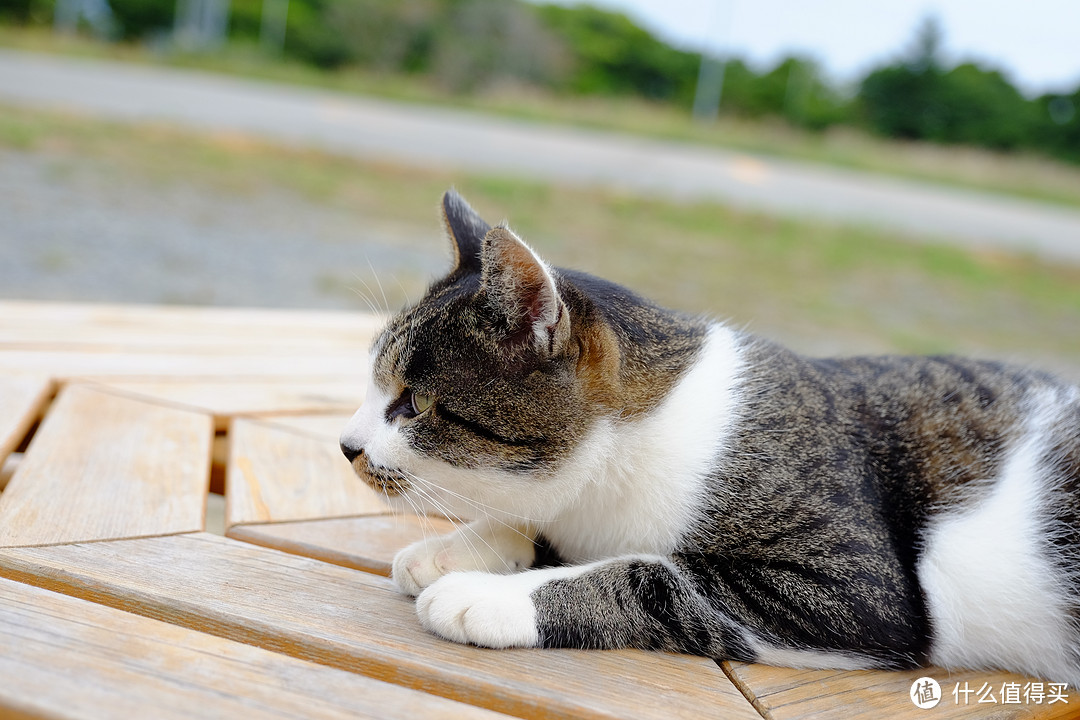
(641, 480)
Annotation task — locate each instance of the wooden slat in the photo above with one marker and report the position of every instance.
(364, 543)
(103, 467)
(8, 468)
(68, 341)
(46, 324)
(62, 657)
(788, 694)
(275, 475)
(326, 427)
(21, 400)
(217, 365)
(251, 399)
(356, 621)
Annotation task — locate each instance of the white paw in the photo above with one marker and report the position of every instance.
(469, 548)
(415, 567)
(493, 611)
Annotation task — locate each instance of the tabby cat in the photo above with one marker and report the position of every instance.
(640, 478)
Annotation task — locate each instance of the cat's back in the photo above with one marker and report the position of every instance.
(933, 422)
(961, 473)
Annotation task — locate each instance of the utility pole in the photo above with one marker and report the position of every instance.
(710, 86)
(201, 24)
(710, 83)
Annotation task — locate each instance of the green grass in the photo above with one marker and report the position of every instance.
(821, 287)
(1022, 175)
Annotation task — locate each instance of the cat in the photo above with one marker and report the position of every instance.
(636, 477)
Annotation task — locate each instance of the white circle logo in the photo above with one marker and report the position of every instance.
(925, 693)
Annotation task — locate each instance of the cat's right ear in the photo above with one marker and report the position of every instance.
(466, 230)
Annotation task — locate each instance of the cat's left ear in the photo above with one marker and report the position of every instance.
(466, 230)
(522, 288)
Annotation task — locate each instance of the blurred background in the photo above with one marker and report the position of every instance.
(844, 177)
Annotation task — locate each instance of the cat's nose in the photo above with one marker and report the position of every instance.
(350, 452)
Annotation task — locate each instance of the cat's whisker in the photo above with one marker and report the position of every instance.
(404, 292)
(450, 515)
(367, 295)
(386, 303)
(484, 508)
(371, 306)
(465, 528)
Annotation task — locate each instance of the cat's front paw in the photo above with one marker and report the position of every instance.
(497, 549)
(494, 611)
(419, 565)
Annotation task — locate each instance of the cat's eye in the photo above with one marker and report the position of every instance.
(409, 404)
(421, 403)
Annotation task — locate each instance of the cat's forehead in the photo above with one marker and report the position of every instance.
(439, 321)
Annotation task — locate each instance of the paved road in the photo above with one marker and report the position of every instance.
(475, 143)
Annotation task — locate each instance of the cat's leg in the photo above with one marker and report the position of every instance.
(486, 545)
(640, 601)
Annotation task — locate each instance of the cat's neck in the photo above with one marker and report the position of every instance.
(632, 352)
(641, 479)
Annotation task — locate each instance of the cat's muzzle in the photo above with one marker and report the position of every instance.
(392, 483)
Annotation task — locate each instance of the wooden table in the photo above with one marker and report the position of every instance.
(179, 537)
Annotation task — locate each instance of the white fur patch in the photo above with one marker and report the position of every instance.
(488, 610)
(637, 485)
(991, 590)
(368, 428)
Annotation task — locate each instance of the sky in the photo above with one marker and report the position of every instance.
(1036, 42)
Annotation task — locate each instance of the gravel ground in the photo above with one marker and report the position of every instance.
(70, 231)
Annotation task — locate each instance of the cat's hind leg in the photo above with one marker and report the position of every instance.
(640, 601)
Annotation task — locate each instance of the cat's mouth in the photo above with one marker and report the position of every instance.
(391, 483)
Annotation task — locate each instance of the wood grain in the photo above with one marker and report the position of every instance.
(8, 468)
(274, 475)
(326, 427)
(63, 657)
(788, 694)
(27, 324)
(238, 398)
(356, 621)
(83, 341)
(103, 467)
(298, 363)
(21, 400)
(362, 543)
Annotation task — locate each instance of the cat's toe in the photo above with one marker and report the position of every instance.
(414, 568)
(493, 611)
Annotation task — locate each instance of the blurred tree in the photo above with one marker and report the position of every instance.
(794, 90)
(612, 55)
(481, 42)
(906, 99)
(1055, 127)
(981, 107)
(25, 12)
(141, 18)
(15, 11)
(916, 98)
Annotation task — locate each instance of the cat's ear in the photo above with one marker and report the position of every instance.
(466, 230)
(521, 287)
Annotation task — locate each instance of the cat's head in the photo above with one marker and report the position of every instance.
(481, 390)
